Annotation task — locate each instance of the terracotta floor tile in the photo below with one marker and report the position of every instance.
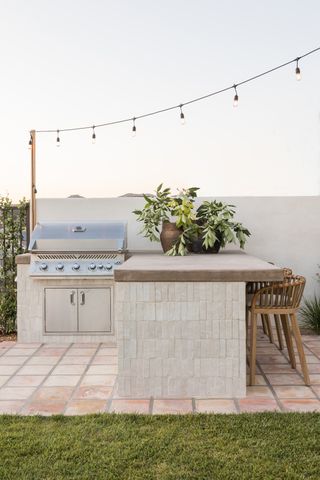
(78, 360)
(34, 370)
(51, 352)
(94, 392)
(270, 368)
(20, 352)
(259, 391)
(16, 393)
(294, 392)
(258, 405)
(301, 405)
(75, 352)
(314, 368)
(103, 380)
(28, 345)
(53, 394)
(274, 359)
(108, 351)
(43, 408)
(83, 407)
(8, 369)
(130, 406)
(109, 344)
(259, 380)
(26, 380)
(10, 407)
(284, 379)
(315, 379)
(105, 360)
(172, 406)
(316, 389)
(43, 360)
(69, 370)
(4, 379)
(85, 345)
(62, 381)
(5, 360)
(215, 405)
(8, 343)
(102, 370)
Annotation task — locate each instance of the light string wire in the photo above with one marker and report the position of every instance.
(189, 102)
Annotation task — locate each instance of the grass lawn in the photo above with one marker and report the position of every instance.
(257, 446)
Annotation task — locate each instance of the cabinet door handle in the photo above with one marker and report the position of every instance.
(72, 294)
(83, 298)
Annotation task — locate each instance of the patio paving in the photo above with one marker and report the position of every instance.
(75, 379)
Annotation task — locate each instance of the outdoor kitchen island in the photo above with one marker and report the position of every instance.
(180, 323)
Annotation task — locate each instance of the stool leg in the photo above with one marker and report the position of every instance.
(298, 339)
(253, 348)
(269, 329)
(287, 336)
(279, 333)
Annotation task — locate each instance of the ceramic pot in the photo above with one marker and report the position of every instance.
(197, 246)
(169, 235)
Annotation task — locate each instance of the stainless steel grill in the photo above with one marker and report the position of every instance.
(77, 249)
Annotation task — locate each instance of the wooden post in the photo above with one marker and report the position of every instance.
(33, 210)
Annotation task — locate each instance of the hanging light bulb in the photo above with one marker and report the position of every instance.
(134, 128)
(236, 97)
(182, 119)
(298, 73)
(93, 135)
(58, 139)
(30, 141)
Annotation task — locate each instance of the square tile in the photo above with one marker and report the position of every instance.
(213, 405)
(75, 352)
(294, 392)
(62, 381)
(271, 368)
(34, 370)
(10, 407)
(83, 407)
(8, 369)
(16, 393)
(259, 391)
(172, 406)
(43, 408)
(301, 405)
(51, 352)
(26, 381)
(105, 360)
(284, 379)
(259, 380)
(4, 379)
(315, 378)
(130, 406)
(93, 392)
(20, 352)
(5, 360)
(43, 360)
(102, 370)
(69, 370)
(252, 405)
(78, 360)
(53, 394)
(108, 351)
(103, 380)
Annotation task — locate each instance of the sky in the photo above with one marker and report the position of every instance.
(71, 63)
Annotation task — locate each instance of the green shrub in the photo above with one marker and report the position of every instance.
(310, 314)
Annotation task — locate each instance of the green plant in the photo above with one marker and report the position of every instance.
(310, 314)
(164, 207)
(216, 223)
(12, 229)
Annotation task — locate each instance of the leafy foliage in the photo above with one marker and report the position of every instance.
(12, 228)
(310, 314)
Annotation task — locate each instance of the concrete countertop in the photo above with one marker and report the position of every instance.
(226, 266)
(23, 259)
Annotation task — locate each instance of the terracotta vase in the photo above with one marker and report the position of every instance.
(169, 235)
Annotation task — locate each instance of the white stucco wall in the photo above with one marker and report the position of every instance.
(285, 230)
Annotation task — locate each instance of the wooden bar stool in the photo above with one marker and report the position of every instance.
(281, 299)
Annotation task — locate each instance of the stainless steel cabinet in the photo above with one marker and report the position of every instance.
(78, 310)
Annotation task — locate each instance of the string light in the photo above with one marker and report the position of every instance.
(93, 135)
(182, 119)
(58, 138)
(134, 128)
(30, 141)
(298, 73)
(194, 100)
(236, 97)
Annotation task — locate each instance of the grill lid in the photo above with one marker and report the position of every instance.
(76, 237)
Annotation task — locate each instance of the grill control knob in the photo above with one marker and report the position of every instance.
(43, 266)
(108, 266)
(59, 267)
(118, 262)
(100, 266)
(76, 266)
(92, 266)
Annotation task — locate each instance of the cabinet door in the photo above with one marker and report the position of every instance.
(60, 309)
(94, 309)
